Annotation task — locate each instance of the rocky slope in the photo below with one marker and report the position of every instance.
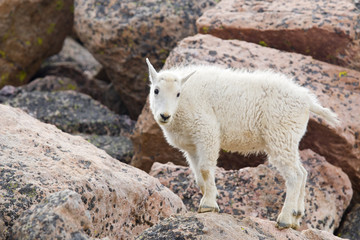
(214, 226)
(40, 164)
(55, 185)
(260, 191)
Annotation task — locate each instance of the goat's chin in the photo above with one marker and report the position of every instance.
(163, 123)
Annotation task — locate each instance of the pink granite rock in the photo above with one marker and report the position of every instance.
(60, 211)
(214, 226)
(260, 192)
(120, 34)
(37, 160)
(336, 87)
(328, 30)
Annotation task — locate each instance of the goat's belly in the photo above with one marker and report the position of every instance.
(244, 142)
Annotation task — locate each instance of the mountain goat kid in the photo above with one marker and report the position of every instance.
(202, 109)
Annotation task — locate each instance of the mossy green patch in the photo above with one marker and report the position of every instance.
(51, 28)
(21, 76)
(31, 193)
(59, 5)
(263, 43)
(205, 29)
(343, 74)
(2, 54)
(4, 78)
(39, 40)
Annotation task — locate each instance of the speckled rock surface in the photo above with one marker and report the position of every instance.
(61, 78)
(120, 34)
(74, 68)
(37, 159)
(328, 30)
(350, 227)
(30, 31)
(214, 226)
(72, 112)
(148, 138)
(119, 147)
(75, 56)
(61, 216)
(50, 83)
(260, 192)
(336, 87)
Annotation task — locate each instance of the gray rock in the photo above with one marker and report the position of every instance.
(61, 215)
(215, 226)
(75, 56)
(72, 112)
(119, 147)
(350, 227)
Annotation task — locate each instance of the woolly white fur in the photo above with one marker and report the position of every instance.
(236, 110)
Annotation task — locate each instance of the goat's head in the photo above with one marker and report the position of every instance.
(165, 91)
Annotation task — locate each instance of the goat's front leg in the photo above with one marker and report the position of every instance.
(204, 173)
(208, 201)
(208, 152)
(193, 162)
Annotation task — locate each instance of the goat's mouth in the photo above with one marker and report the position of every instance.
(163, 122)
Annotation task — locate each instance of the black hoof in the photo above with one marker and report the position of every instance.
(281, 225)
(205, 209)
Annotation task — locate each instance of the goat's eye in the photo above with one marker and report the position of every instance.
(156, 91)
(178, 95)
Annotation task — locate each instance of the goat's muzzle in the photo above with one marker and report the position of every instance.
(164, 117)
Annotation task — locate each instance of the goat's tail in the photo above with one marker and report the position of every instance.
(326, 113)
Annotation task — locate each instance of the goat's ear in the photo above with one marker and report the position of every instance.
(152, 71)
(184, 79)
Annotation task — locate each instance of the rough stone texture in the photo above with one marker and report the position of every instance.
(214, 226)
(336, 88)
(148, 138)
(120, 34)
(260, 192)
(61, 216)
(75, 56)
(61, 78)
(30, 31)
(37, 159)
(50, 83)
(328, 30)
(74, 68)
(119, 147)
(72, 112)
(350, 227)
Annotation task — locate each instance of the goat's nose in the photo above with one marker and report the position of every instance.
(164, 116)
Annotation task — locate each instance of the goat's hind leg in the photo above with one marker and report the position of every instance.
(301, 202)
(289, 167)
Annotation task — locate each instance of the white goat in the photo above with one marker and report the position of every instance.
(202, 109)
